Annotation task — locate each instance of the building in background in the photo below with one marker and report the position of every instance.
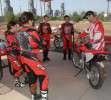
(62, 8)
(57, 13)
(49, 6)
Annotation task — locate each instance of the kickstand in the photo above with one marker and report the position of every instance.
(80, 70)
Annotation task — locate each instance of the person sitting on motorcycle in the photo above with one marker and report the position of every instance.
(10, 35)
(96, 31)
(45, 31)
(34, 43)
(67, 32)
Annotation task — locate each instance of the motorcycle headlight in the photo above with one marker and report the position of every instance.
(40, 67)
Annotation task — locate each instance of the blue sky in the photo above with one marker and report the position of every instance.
(70, 5)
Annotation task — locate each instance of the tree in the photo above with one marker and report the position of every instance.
(76, 17)
(9, 16)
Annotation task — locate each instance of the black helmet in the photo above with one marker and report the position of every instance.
(26, 16)
(88, 13)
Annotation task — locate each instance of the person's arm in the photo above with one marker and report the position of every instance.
(49, 28)
(72, 29)
(72, 32)
(99, 33)
(36, 40)
(62, 30)
(40, 28)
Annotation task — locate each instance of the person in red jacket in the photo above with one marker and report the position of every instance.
(67, 32)
(96, 31)
(45, 31)
(10, 36)
(34, 43)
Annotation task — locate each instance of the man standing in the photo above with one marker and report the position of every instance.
(96, 31)
(45, 31)
(15, 66)
(30, 41)
(67, 32)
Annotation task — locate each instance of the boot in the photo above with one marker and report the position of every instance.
(44, 56)
(44, 95)
(47, 58)
(69, 54)
(18, 83)
(64, 54)
(36, 97)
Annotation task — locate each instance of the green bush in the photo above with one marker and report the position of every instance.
(9, 16)
(76, 17)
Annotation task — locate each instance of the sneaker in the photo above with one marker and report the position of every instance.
(44, 95)
(22, 85)
(44, 99)
(36, 97)
(19, 84)
(33, 97)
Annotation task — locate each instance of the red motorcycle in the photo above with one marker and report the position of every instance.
(90, 61)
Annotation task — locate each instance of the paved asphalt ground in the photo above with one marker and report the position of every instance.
(63, 85)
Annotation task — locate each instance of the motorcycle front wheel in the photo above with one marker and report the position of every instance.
(76, 60)
(97, 75)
